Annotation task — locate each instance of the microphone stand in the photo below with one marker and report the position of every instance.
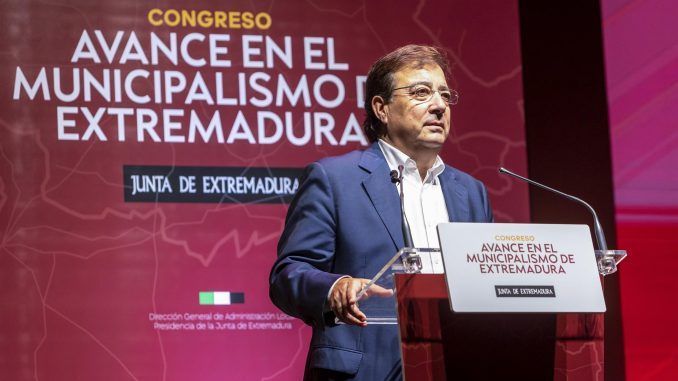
(597, 227)
(397, 178)
(607, 259)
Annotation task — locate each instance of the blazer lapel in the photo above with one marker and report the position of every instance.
(382, 193)
(456, 196)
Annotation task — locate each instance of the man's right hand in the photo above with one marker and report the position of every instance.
(343, 301)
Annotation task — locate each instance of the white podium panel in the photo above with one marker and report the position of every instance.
(520, 268)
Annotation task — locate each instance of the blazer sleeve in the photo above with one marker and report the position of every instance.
(300, 278)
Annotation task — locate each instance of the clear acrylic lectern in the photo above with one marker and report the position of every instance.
(382, 309)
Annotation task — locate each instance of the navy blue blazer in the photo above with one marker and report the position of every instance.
(345, 220)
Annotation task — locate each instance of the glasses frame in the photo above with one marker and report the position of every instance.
(454, 99)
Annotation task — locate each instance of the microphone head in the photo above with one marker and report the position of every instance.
(394, 176)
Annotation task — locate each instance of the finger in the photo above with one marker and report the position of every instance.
(337, 303)
(356, 313)
(379, 291)
(343, 302)
(352, 306)
(345, 313)
(349, 318)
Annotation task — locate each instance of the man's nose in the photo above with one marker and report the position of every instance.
(438, 104)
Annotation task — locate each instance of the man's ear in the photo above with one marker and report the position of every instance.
(380, 108)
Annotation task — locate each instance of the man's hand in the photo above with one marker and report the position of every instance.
(343, 301)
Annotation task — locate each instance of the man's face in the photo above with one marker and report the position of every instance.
(415, 125)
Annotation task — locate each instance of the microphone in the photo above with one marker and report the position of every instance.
(397, 178)
(597, 228)
(394, 177)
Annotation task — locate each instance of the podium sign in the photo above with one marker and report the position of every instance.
(520, 268)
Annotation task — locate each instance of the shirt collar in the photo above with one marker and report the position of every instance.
(395, 157)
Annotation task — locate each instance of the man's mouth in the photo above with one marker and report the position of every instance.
(435, 125)
(438, 123)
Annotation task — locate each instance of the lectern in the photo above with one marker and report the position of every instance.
(498, 336)
(437, 344)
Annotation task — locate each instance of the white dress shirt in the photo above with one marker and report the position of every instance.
(424, 203)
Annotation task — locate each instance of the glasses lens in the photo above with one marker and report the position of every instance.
(421, 92)
(446, 95)
(454, 97)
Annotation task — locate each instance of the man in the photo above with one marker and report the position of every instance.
(345, 221)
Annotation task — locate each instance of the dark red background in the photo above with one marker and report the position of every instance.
(80, 269)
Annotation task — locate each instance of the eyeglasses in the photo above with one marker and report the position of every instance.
(424, 93)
